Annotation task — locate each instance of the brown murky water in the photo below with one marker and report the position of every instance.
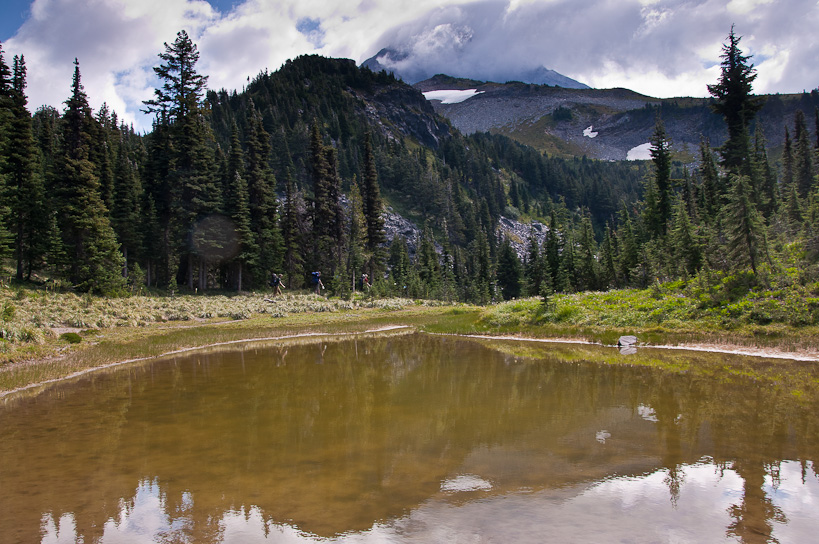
(407, 438)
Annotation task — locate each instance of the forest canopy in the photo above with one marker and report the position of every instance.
(308, 168)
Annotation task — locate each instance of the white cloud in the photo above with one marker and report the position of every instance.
(657, 47)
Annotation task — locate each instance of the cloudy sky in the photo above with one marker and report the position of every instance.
(660, 48)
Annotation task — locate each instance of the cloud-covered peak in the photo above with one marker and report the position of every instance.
(657, 47)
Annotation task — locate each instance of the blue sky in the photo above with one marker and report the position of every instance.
(661, 48)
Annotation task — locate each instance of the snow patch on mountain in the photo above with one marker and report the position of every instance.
(451, 96)
(640, 153)
(589, 133)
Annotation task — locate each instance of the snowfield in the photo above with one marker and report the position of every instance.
(451, 97)
(640, 153)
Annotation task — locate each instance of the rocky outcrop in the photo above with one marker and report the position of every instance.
(404, 109)
(518, 234)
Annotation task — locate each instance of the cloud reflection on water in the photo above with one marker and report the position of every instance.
(613, 510)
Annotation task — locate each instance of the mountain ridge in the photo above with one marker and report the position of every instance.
(604, 124)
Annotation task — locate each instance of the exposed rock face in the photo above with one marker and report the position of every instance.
(518, 234)
(515, 231)
(397, 225)
(402, 108)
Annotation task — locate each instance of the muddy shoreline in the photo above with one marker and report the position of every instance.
(726, 348)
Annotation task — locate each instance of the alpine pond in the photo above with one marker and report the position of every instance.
(409, 438)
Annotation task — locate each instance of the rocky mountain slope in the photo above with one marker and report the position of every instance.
(605, 124)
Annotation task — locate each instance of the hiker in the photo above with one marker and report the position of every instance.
(365, 282)
(317, 282)
(276, 284)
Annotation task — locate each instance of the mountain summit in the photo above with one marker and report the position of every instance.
(409, 68)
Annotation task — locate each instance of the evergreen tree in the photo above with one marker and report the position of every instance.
(710, 193)
(567, 273)
(533, 269)
(551, 250)
(586, 266)
(766, 189)
(652, 221)
(178, 100)
(126, 215)
(629, 247)
(336, 222)
(292, 234)
(357, 236)
(509, 271)
(104, 153)
(608, 259)
(373, 210)
(787, 162)
(94, 262)
(746, 235)
(427, 263)
(399, 262)
(735, 102)
(686, 248)
(237, 207)
(661, 157)
(24, 184)
(6, 104)
(185, 189)
(322, 241)
(264, 214)
(802, 156)
(479, 270)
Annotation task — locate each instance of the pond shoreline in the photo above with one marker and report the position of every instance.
(727, 348)
(800, 355)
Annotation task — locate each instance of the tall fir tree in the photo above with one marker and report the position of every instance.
(764, 179)
(292, 234)
(629, 247)
(264, 212)
(322, 207)
(685, 245)
(509, 271)
(586, 268)
(661, 158)
(24, 182)
(185, 189)
(551, 250)
(94, 261)
(357, 235)
(787, 162)
(736, 103)
(373, 210)
(533, 269)
(803, 155)
(427, 262)
(128, 199)
(710, 190)
(6, 102)
(237, 208)
(746, 229)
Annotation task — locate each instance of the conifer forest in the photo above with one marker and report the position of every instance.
(303, 170)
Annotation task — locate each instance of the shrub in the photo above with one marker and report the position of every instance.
(71, 337)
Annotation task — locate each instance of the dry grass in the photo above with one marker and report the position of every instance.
(34, 348)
